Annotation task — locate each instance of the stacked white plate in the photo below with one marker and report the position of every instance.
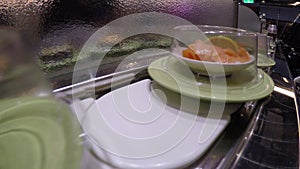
(136, 127)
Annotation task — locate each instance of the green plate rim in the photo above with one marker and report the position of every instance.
(270, 63)
(264, 89)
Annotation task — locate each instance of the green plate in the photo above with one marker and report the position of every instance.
(264, 61)
(38, 133)
(242, 86)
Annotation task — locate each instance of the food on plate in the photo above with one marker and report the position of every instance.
(220, 49)
(224, 42)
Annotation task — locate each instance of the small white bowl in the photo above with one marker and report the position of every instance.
(188, 34)
(213, 68)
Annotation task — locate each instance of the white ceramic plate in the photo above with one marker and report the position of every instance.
(212, 68)
(105, 117)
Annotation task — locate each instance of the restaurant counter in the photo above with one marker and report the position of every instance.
(261, 134)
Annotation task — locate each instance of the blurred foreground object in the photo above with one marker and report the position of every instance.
(36, 130)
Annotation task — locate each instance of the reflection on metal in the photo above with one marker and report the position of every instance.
(273, 138)
(285, 80)
(285, 92)
(295, 4)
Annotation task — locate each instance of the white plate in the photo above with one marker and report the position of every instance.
(212, 68)
(131, 127)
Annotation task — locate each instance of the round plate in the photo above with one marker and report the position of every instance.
(214, 68)
(38, 133)
(131, 127)
(264, 61)
(173, 74)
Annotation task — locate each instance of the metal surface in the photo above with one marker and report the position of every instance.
(54, 23)
(271, 139)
